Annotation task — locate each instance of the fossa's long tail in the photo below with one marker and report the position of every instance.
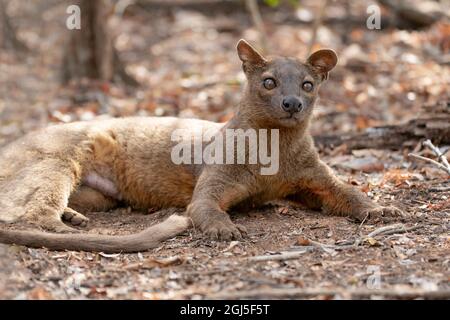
(142, 241)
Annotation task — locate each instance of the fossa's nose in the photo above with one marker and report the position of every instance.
(291, 104)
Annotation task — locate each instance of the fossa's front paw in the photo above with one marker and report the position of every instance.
(224, 230)
(379, 213)
(221, 228)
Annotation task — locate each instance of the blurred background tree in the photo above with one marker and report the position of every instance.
(8, 33)
(90, 51)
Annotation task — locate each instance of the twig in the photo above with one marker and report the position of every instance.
(316, 25)
(444, 165)
(353, 293)
(439, 189)
(386, 230)
(364, 220)
(252, 6)
(330, 248)
(207, 272)
(298, 251)
(401, 229)
(279, 257)
(438, 152)
(437, 164)
(376, 232)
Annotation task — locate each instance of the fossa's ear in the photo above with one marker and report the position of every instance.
(323, 61)
(248, 55)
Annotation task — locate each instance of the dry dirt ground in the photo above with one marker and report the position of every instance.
(187, 65)
(192, 267)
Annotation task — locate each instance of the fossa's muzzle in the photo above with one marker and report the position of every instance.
(291, 104)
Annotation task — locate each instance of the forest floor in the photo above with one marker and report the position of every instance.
(187, 65)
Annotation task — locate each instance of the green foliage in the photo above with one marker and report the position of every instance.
(272, 3)
(276, 3)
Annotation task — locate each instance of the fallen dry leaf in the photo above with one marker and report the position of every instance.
(372, 242)
(365, 164)
(283, 210)
(39, 293)
(301, 241)
(151, 263)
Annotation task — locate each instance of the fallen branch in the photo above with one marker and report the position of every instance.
(415, 14)
(278, 293)
(219, 7)
(436, 128)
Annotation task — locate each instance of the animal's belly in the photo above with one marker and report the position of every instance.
(144, 187)
(157, 187)
(102, 184)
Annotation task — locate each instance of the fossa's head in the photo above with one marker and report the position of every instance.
(281, 91)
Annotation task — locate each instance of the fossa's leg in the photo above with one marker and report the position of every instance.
(45, 192)
(86, 199)
(337, 197)
(214, 194)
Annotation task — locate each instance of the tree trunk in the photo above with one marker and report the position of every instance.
(8, 33)
(90, 52)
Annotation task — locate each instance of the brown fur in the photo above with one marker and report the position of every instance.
(42, 174)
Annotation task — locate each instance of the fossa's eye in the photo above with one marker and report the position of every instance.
(269, 83)
(307, 86)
